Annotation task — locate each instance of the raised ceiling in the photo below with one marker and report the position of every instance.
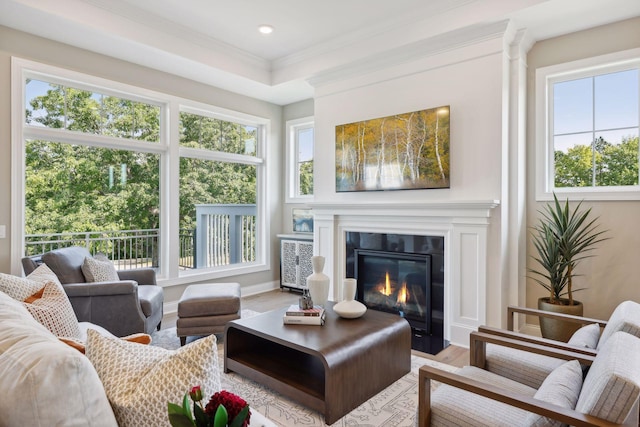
(217, 42)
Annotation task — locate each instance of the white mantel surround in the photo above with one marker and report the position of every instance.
(463, 224)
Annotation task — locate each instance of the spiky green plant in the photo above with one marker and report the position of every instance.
(562, 238)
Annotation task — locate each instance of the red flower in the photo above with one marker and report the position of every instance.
(196, 393)
(232, 403)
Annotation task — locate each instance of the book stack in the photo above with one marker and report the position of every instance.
(298, 316)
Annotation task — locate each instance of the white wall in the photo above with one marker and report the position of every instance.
(471, 80)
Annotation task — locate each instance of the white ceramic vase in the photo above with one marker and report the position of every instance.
(349, 308)
(318, 282)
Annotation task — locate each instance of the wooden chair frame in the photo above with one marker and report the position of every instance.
(478, 341)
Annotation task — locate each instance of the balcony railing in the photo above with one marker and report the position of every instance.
(225, 234)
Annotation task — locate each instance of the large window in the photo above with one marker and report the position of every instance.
(110, 167)
(591, 114)
(300, 140)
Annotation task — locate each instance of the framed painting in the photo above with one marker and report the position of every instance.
(405, 151)
(302, 220)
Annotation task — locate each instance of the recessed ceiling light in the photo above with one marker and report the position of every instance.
(265, 29)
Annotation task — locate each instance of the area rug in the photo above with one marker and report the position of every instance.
(394, 406)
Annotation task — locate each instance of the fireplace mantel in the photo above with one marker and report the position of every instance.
(463, 224)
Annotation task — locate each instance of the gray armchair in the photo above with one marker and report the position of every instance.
(132, 305)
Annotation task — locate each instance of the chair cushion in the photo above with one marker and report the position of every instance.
(66, 263)
(139, 379)
(612, 385)
(476, 410)
(43, 381)
(532, 368)
(586, 337)
(20, 288)
(626, 317)
(151, 298)
(562, 387)
(99, 270)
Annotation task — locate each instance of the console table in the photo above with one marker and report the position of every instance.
(332, 368)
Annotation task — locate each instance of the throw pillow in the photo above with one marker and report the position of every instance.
(139, 338)
(586, 337)
(54, 311)
(561, 387)
(99, 270)
(20, 288)
(140, 380)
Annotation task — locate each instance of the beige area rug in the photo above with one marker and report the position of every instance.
(394, 406)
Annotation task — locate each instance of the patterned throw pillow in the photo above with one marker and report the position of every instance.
(141, 379)
(99, 270)
(54, 311)
(20, 288)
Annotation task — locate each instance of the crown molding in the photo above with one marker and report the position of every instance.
(430, 46)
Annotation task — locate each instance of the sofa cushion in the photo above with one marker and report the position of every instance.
(140, 380)
(612, 385)
(586, 337)
(66, 263)
(99, 270)
(43, 381)
(562, 387)
(626, 318)
(20, 288)
(54, 311)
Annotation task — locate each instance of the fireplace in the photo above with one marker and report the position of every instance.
(402, 274)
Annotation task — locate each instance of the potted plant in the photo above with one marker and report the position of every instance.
(562, 238)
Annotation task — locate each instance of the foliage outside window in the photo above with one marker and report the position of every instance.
(300, 142)
(593, 116)
(219, 188)
(98, 172)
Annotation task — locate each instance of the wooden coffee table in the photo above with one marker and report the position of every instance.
(332, 368)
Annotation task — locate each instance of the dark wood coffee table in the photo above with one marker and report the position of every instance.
(332, 368)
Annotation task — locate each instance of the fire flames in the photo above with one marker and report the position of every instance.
(386, 290)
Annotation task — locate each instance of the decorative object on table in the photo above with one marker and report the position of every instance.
(349, 308)
(403, 151)
(304, 320)
(562, 238)
(295, 310)
(318, 282)
(305, 302)
(302, 220)
(224, 409)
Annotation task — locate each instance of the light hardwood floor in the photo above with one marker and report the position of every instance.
(452, 355)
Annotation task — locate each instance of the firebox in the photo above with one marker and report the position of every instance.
(396, 283)
(404, 283)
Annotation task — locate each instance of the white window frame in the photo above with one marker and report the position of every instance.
(168, 148)
(545, 78)
(292, 178)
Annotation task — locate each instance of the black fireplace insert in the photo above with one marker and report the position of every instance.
(396, 283)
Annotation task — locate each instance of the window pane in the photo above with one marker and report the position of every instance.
(198, 131)
(79, 195)
(572, 106)
(573, 157)
(616, 100)
(305, 161)
(62, 107)
(217, 213)
(617, 158)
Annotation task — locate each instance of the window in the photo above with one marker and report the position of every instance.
(300, 139)
(123, 170)
(589, 121)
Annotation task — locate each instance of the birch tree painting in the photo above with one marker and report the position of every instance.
(405, 151)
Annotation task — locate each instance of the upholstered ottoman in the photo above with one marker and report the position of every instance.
(205, 309)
